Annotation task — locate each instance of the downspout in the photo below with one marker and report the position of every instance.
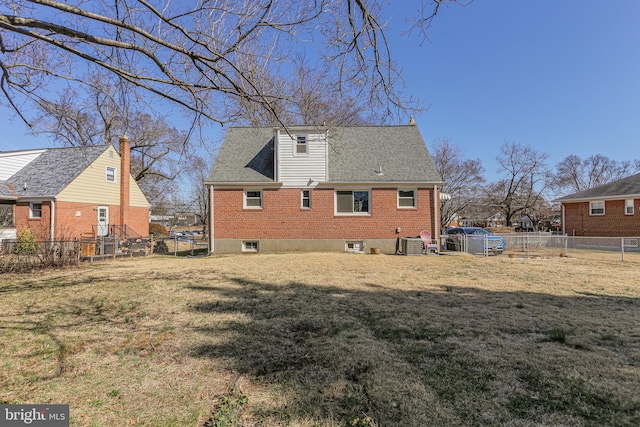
(211, 216)
(52, 220)
(436, 213)
(564, 231)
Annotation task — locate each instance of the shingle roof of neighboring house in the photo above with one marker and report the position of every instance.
(52, 170)
(622, 188)
(356, 154)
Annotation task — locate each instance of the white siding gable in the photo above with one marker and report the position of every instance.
(12, 162)
(298, 170)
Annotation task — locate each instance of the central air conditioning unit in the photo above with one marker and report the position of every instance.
(412, 246)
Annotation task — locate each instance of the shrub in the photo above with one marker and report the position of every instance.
(157, 229)
(26, 242)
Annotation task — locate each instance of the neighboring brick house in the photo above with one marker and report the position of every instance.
(609, 210)
(63, 193)
(321, 189)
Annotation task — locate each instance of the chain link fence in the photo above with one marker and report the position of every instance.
(540, 244)
(181, 245)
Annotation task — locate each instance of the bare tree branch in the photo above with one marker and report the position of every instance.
(199, 54)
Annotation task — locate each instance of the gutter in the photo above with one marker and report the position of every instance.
(379, 184)
(592, 198)
(233, 185)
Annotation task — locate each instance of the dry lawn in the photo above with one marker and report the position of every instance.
(327, 340)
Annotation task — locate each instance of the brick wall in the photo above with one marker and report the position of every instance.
(74, 219)
(282, 217)
(614, 223)
(39, 226)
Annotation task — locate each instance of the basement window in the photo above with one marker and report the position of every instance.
(250, 246)
(354, 246)
(596, 208)
(111, 174)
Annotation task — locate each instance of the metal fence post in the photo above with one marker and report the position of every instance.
(622, 247)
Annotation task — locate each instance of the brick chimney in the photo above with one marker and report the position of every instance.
(125, 177)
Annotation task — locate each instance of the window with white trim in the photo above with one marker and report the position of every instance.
(596, 208)
(111, 174)
(353, 202)
(253, 199)
(301, 145)
(305, 196)
(407, 199)
(35, 210)
(628, 207)
(250, 246)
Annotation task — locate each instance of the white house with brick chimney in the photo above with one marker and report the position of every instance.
(310, 188)
(65, 193)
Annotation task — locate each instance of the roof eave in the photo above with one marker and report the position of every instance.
(380, 183)
(218, 184)
(592, 198)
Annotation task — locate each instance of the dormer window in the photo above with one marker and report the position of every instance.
(301, 145)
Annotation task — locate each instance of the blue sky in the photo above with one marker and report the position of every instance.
(562, 76)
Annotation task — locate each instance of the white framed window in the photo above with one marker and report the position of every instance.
(407, 199)
(301, 145)
(628, 207)
(253, 199)
(353, 202)
(111, 174)
(250, 246)
(305, 199)
(354, 246)
(35, 210)
(596, 208)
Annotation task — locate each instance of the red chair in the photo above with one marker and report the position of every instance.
(428, 243)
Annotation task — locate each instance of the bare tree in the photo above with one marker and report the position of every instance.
(196, 199)
(463, 179)
(196, 54)
(525, 177)
(306, 97)
(574, 174)
(100, 115)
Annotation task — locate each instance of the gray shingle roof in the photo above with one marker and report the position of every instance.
(53, 170)
(621, 188)
(246, 155)
(356, 154)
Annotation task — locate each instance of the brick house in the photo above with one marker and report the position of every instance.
(63, 193)
(321, 189)
(609, 210)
